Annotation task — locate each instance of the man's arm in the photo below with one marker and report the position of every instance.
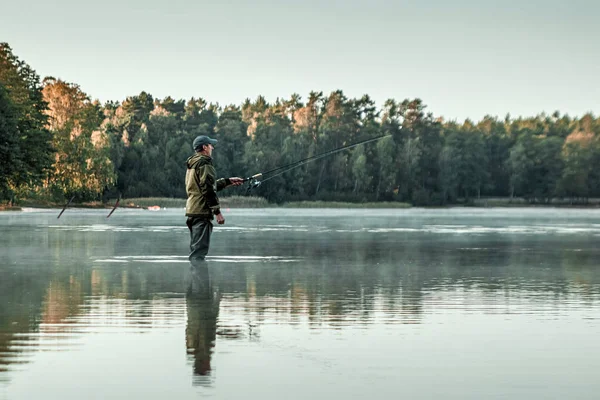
(226, 182)
(207, 186)
(220, 185)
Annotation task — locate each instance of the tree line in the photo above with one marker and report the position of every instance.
(56, 142)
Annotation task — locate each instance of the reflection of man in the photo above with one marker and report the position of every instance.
(202, 313)
(202, 186)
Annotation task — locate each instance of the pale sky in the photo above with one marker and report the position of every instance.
(464, 58)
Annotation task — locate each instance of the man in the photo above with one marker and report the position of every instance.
(202, 203)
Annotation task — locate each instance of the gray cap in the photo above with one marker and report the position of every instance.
(202, 140)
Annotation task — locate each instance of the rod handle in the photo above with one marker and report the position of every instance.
(256, 176)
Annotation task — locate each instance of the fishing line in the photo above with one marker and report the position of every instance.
(254, 182)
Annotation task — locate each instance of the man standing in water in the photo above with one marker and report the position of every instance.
(202, 203)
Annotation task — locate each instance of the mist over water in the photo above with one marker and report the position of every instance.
(417, 303)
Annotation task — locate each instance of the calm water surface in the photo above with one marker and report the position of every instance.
(301, 304)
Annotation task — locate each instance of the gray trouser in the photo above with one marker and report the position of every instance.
(200, 230)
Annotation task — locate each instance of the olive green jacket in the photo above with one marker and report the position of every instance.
(202, 186)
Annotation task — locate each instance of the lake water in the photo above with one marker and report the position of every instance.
(301, 304)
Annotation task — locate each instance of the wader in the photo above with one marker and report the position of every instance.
(200, 230)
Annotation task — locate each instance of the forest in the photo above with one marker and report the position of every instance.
(56, 142)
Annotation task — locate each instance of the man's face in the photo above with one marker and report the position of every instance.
(208, 149)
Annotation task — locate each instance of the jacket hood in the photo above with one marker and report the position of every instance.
(197, 160)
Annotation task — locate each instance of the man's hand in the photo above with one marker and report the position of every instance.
(220, 219)
(236, 181)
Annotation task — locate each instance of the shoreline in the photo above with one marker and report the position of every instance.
(256, 202)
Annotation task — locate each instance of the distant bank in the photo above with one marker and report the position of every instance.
(155, 203)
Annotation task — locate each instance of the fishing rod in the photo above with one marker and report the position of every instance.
(254, 179)
(65, 207)
(71, 200)
(115, 207)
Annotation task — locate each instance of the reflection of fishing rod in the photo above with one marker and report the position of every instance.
(254, 179)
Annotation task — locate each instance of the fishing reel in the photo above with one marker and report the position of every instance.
(253, 182)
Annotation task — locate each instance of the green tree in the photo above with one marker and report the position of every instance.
(386, 173)
(9, 144)
(577, 155)
(581, 156)
(497, 144)
(473, 174)
(420, 145)
(449, 174)
(32, 153)
(360, 170)
(340, 126)
(231, 132)
(520, 164)
(536, 167)
(82, 166)
(265, 150)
